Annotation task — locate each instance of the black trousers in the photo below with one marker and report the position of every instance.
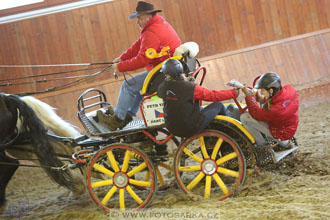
(209, 112)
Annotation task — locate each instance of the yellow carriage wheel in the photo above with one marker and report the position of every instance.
(209, 165)
(114, 177)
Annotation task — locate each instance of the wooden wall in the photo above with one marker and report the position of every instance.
(299, 60)
(101, 32)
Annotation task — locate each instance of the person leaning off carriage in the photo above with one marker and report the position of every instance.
(182, 112)
(277, 117)
(156, 33)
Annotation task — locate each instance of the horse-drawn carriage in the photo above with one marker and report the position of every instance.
(124, 168)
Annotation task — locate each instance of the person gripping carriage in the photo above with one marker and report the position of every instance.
(272, 112)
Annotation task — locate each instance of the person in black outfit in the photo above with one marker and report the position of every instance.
(183, 114)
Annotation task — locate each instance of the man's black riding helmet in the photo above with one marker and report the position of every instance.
(269, 80)
(173, 68)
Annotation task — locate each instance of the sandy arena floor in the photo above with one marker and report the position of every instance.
(299, 188)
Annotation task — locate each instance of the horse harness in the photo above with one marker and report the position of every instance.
(9, 140)
(13, 138)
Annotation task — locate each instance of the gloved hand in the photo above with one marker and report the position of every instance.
(115, 70)
(246, 90)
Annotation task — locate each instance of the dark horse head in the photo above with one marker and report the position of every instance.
(12, 109)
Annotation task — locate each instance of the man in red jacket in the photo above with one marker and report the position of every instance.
(182, 112)
(278, 118)
(157, 34)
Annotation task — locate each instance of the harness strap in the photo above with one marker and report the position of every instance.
(62, 168)
(32, 151)
(3, 146)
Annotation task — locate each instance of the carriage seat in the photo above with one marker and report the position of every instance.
(188, 51)
(189, 48)
(186, 54)
(93, 100)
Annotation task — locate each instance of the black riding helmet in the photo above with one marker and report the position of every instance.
(269, 80)
(173, 68)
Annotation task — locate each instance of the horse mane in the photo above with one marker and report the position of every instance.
(50, 119)
(34, 130)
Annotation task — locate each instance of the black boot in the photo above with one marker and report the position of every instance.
(127, 120)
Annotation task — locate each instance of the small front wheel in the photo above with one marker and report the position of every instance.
(210, 165)
(116, 175)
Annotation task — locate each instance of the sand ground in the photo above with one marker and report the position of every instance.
(298, 188)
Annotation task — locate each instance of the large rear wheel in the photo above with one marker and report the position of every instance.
(210, 165)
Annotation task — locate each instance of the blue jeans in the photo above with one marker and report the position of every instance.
(129, 96)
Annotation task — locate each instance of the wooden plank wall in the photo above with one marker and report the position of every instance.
(299, 60)
(101, 32)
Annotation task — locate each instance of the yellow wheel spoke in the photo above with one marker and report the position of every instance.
(166, 166)
(216, 148)
(122, 199)
(109, 195)
(113, 161)
(160, 177)
(102, 169)
(207, 187)
(226, 158)
(203, 148)
(192, 155)
(134, 196)
(102, 183)
(137, 169)
(188, 169)
(221, 184)
(140, 183)
(195, 181)
(228, 172)
(126, 161)
(146, 178)
(134, 155)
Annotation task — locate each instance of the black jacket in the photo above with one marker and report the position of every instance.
(182, 115)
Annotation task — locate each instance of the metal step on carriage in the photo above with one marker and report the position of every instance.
(126, 167)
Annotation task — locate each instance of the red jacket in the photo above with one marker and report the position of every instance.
(282, 116)
(204, 94)
(157, 33)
